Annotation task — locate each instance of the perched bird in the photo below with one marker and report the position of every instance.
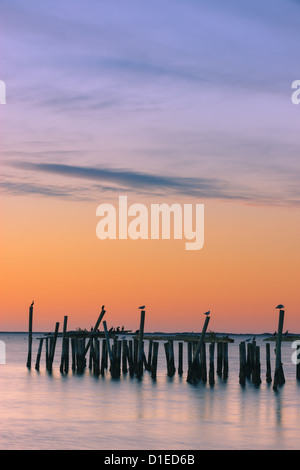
(142, 307)
(280, 306)
(207, 313)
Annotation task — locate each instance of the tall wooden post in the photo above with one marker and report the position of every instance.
(63, 348)
(96, 327)
(154, 360)
(111, 358)
(38, 357)
(180, 358)
(243, 363)
(140, 345)
(268, 361)
(211, 363)
(219, 359)
(193, 369)
(30, 336)
(53, 345)
(279, 375)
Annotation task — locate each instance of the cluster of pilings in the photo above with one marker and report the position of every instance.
(250, 365)
(96, 347)
(102, 351)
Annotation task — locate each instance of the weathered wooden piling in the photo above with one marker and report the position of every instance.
(171, 360)
(73, 349)
(249, 364)
(149, 360)
(180, 358)
(203, 362)
(169, 352)
(53, 345)
(268, 364)
(113, 370)
(29, 355)
(189, 353)
(193, 369)
(80, 355)
(225, 360)
(140, 345)
(124, 356)
(211, 374)
(104, 354)
(243, 363)
(219, 359)
(97, 324)
(64, 346)
(154, 360)
(38, 357)
(279, 375)
(130, 358)
(256, 366)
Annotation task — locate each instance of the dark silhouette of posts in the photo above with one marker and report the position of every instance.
(154, 359)
(268, 361)
(30, 336)
(140, 346)
(52, 349)
(279, 375)
(38, 357)
(96, 327)
(64, 347)
(193, 375)
(180, 358)
(243, 363)
(211, 374)
(111, 358)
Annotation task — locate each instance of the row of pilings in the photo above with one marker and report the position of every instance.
(103, 352)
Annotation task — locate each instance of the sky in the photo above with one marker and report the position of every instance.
(165, 102)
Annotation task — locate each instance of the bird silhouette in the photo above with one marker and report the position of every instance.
(280, 306)
(103, 307)
(207, 313)
(32, 303)
(142, 307)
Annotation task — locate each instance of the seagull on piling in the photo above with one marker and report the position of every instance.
(142, 307)
(280, 306)
(207, 313)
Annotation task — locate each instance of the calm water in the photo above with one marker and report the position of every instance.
(42, 411)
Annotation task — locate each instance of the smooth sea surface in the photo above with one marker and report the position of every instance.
(43, 411)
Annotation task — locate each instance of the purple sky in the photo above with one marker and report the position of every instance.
(195, 93)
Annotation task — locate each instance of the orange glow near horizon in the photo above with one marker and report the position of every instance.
(50, 253)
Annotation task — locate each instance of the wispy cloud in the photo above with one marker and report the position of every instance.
(120, 180)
